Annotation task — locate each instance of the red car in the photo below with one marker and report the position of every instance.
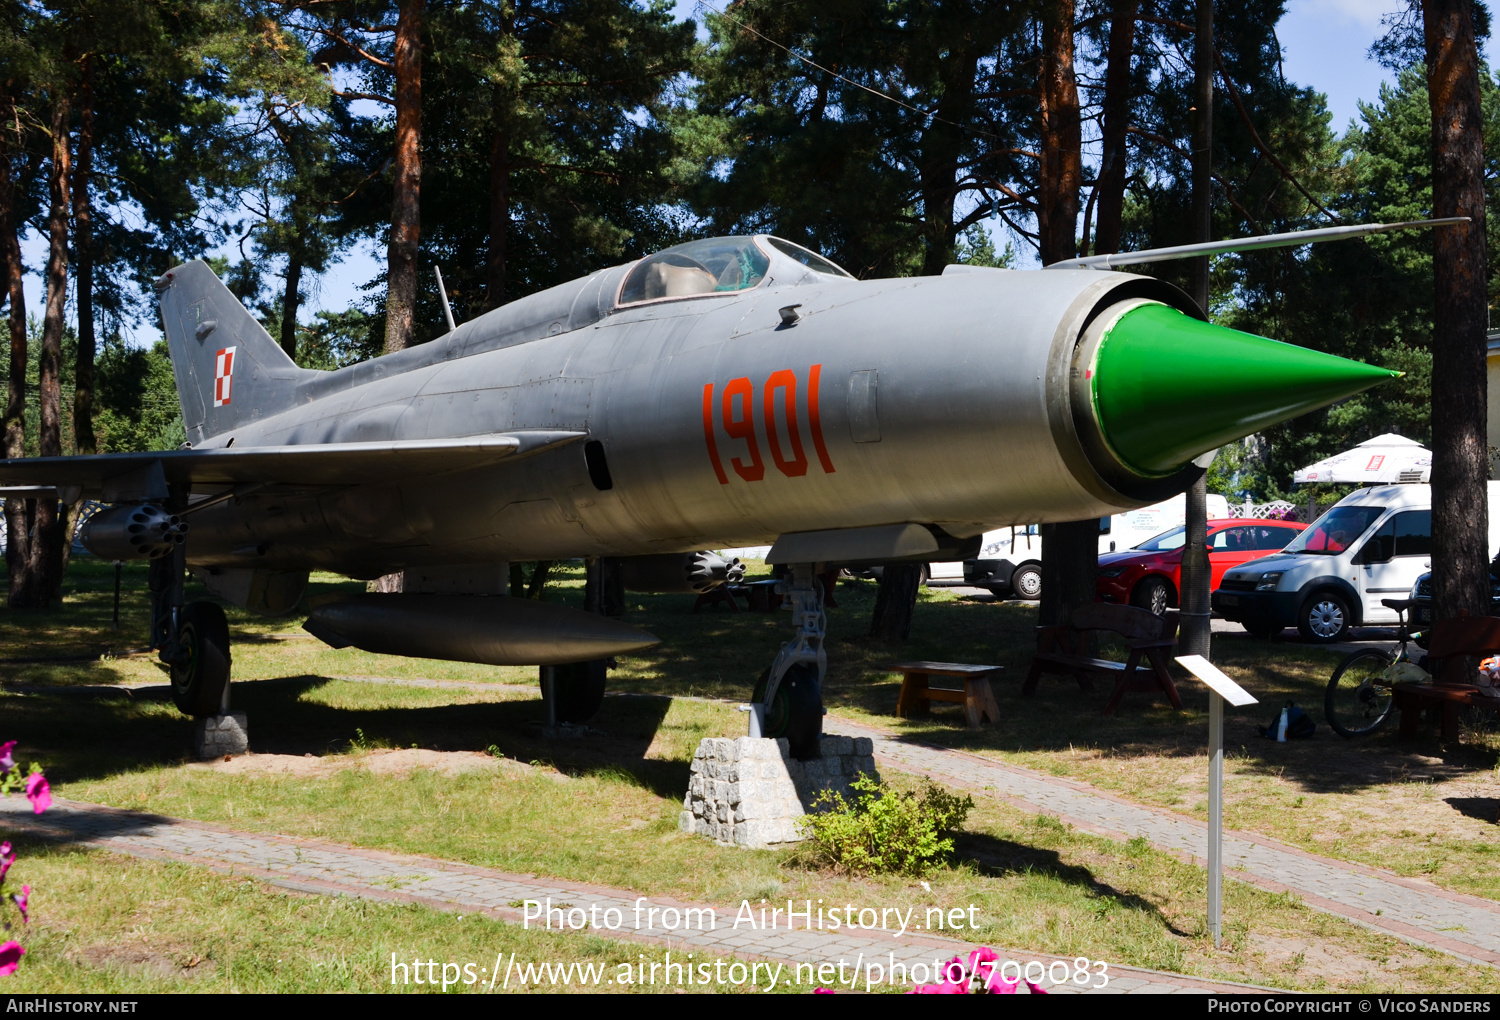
(1150, 575)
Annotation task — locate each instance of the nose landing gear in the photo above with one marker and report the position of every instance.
(789, 696)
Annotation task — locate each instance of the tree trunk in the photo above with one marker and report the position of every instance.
(406, 223)
(83, 250)
(896, 603)
(391, 584)
(47, 534)
(1113, 170)
(1460, 465)
(1070, 567)
(289, 303)
(538, 579)
(604, 587)
(1062, 137)
(494, 270)
(1070, 551)
(1197, 576)
(18, 512)
(942, 154)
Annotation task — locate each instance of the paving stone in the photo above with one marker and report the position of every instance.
(371, 874)
(1462, 925)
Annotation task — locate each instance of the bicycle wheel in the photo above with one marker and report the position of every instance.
(1358, 699)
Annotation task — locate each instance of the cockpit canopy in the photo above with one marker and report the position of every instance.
(716, 265)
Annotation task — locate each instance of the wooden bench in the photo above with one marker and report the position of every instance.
(976, 696)
(1063, 649)
(1465, 636)
(723, 595)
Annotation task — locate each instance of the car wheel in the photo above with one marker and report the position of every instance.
(1026, 582)
(201, 670)
(1324, 617)
(1154, 594)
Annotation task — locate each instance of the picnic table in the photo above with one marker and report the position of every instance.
(1062, 648)
(975, 695)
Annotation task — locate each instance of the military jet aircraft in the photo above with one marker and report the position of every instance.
(726, 392)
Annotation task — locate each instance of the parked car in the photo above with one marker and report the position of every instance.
(1372, 545)
(1010, 558)
(1421, 594)
(1150, 575)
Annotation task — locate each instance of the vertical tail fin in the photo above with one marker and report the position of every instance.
(229, 371)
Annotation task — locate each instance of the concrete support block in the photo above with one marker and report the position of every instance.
(750, 791)
(217, 735)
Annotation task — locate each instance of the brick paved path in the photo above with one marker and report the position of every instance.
(317, 866)
(1417, 911)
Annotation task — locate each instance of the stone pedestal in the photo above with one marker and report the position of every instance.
(750, 791)
(217, 735)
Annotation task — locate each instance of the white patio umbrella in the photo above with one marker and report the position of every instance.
(1379, 461)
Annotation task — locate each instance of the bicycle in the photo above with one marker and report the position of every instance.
(1358, 699)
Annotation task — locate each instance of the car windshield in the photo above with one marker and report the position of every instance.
(1336, 530)
(718, 265)
(1166, 541)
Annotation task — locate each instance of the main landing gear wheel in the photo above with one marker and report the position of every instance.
(1026, 582)
(201, 670)
(578, 688)
(797, 710)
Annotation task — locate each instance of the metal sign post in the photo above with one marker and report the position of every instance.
(1221, 689)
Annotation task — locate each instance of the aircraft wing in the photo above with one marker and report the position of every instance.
(124, 476)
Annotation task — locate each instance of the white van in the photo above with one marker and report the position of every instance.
(1010, 559)
(1372, 545)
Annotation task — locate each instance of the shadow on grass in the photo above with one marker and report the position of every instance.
(81, 739)
(721, 654)
(1485, 809)
(999, 858)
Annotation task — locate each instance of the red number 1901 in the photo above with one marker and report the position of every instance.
(778, 413)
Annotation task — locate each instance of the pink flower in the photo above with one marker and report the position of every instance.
(1036, 989)
(6, 761)
(982, 964)
(822, 991)
(6, 859)
(10, 958)
(39, 792)
(20, 899)
(997, 985)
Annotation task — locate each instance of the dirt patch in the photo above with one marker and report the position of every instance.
(168, 964)
(382, 762)
(449, 763)
(1310, 961)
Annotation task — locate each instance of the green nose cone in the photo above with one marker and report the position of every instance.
(1168, 387)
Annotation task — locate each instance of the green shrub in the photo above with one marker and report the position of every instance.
(883, 830)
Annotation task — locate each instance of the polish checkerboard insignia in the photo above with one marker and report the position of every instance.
(223, 375)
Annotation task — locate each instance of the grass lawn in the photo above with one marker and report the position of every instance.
(604, 810)
(119, 925)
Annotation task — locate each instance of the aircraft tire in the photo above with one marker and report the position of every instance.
(797, 712)
(202, 670)
(579, 689)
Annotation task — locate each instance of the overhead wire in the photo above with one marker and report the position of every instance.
(849, 81)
